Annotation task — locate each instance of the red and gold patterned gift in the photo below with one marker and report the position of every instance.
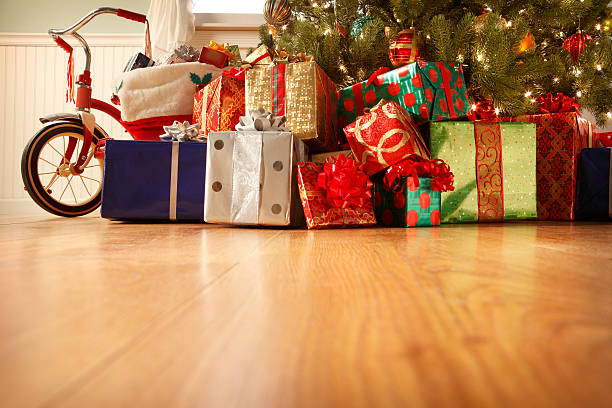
(218, 106)
(560, 135)
(384, 136)
(335, 194)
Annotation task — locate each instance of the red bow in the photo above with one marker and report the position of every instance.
(414, 166)
(236, 73)
(550, 103)
(484, 111)
(344, 184)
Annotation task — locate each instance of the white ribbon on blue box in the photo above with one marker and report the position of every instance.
(154, 180)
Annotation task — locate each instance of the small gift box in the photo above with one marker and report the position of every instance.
(216, 54)
(409, 193)
(250, 176)
(384, 136)
(303, 93)
(260, 55)
(218, 106)
(155, 180)
(139, 60)
(594, 192)
(561, 134)
(494, 166)
(336, 194)
(430, 90)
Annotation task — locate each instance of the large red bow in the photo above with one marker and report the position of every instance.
(414, 166)
(344, 184)
(550, 103)
(236, 73)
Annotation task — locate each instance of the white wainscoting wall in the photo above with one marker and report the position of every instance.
(33, 84)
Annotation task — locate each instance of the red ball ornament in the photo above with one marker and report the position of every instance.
(575, 44)
(404, 48)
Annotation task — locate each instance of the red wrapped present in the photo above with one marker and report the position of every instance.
(218, 106)
(561, 134)
(384, 136)
(217, 55)
(336, 194)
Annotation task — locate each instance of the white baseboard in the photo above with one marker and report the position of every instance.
(20, 206)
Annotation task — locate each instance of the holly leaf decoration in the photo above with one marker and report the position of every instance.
(200, 81)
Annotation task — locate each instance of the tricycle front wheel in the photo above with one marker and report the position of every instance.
(49, 178)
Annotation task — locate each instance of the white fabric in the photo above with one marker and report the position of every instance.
(171, 23)
(163, 90)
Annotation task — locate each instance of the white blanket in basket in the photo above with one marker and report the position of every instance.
(165, 90)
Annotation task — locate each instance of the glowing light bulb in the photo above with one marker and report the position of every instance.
(474, 107)
(598, 66)
(479, 57)
(532, 100)
(598, 27)
(609, 115)
(579, 94)
(556, 79)
(497, 111)
(342, 68)
(527, 94)
(460, 57)
(326, 32)
(284, 27)
(428, 37)
(315, 4)
(509, 24)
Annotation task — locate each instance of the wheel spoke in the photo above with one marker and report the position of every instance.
(63, 156)
(50, 172)
(71, 189)
(45, 160)
(84, 185)
(92, 179)
(64, 190)
(55, 177)
(89, 167)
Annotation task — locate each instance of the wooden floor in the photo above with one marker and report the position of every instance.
(99, 313)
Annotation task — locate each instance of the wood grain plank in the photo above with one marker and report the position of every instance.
(472, 315)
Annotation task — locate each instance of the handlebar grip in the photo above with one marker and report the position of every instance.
(63, 44)
(130, 15)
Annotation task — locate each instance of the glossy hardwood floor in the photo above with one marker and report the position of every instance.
(96, 313)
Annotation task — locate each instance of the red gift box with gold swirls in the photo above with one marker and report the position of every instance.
(383, 137)
(218, 106)
(319, 212)
(559, 139)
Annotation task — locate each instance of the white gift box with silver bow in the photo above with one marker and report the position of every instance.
(251, 174)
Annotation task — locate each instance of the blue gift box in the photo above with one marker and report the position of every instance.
(593, 196)
(154, 180)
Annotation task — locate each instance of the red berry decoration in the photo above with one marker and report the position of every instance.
(575, 44)
(403, 48)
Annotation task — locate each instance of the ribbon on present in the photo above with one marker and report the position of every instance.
(558, 103)
(489, 171)
(181, 132)
(375, 77)
(447, 88)
(415, 166)
(262, 121)
(222, 49)
(236, 73)
(261, 55)
(484, 110)
(345, 185)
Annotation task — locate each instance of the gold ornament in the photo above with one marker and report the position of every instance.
(527, 44)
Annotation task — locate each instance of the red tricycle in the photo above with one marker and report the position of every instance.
(62, 165)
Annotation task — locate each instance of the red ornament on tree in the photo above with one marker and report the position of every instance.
(403, 48)
(575, 44)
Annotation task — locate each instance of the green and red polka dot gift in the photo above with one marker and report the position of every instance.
(409, 194)
(432, 90)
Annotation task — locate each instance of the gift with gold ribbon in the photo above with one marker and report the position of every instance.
(432, 91)
(494, 167)
(409, 193)
(217, 107)
(335, 194)
(384, 136)
(301, 92)
(216, 54)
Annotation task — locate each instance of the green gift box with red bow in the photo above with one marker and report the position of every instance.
(432, 90)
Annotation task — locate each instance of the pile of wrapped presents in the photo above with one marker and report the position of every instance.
(270, 140)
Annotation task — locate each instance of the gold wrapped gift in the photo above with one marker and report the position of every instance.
(303, 93)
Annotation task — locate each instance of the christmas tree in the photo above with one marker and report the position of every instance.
(511, 51)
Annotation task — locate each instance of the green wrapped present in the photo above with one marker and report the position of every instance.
(494, 166)
(410, 207)
(408, 195)
(431, 90)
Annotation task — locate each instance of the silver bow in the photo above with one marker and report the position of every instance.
(261, 120)
(182, 132)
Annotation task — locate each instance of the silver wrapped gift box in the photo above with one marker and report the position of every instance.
(251, 178)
